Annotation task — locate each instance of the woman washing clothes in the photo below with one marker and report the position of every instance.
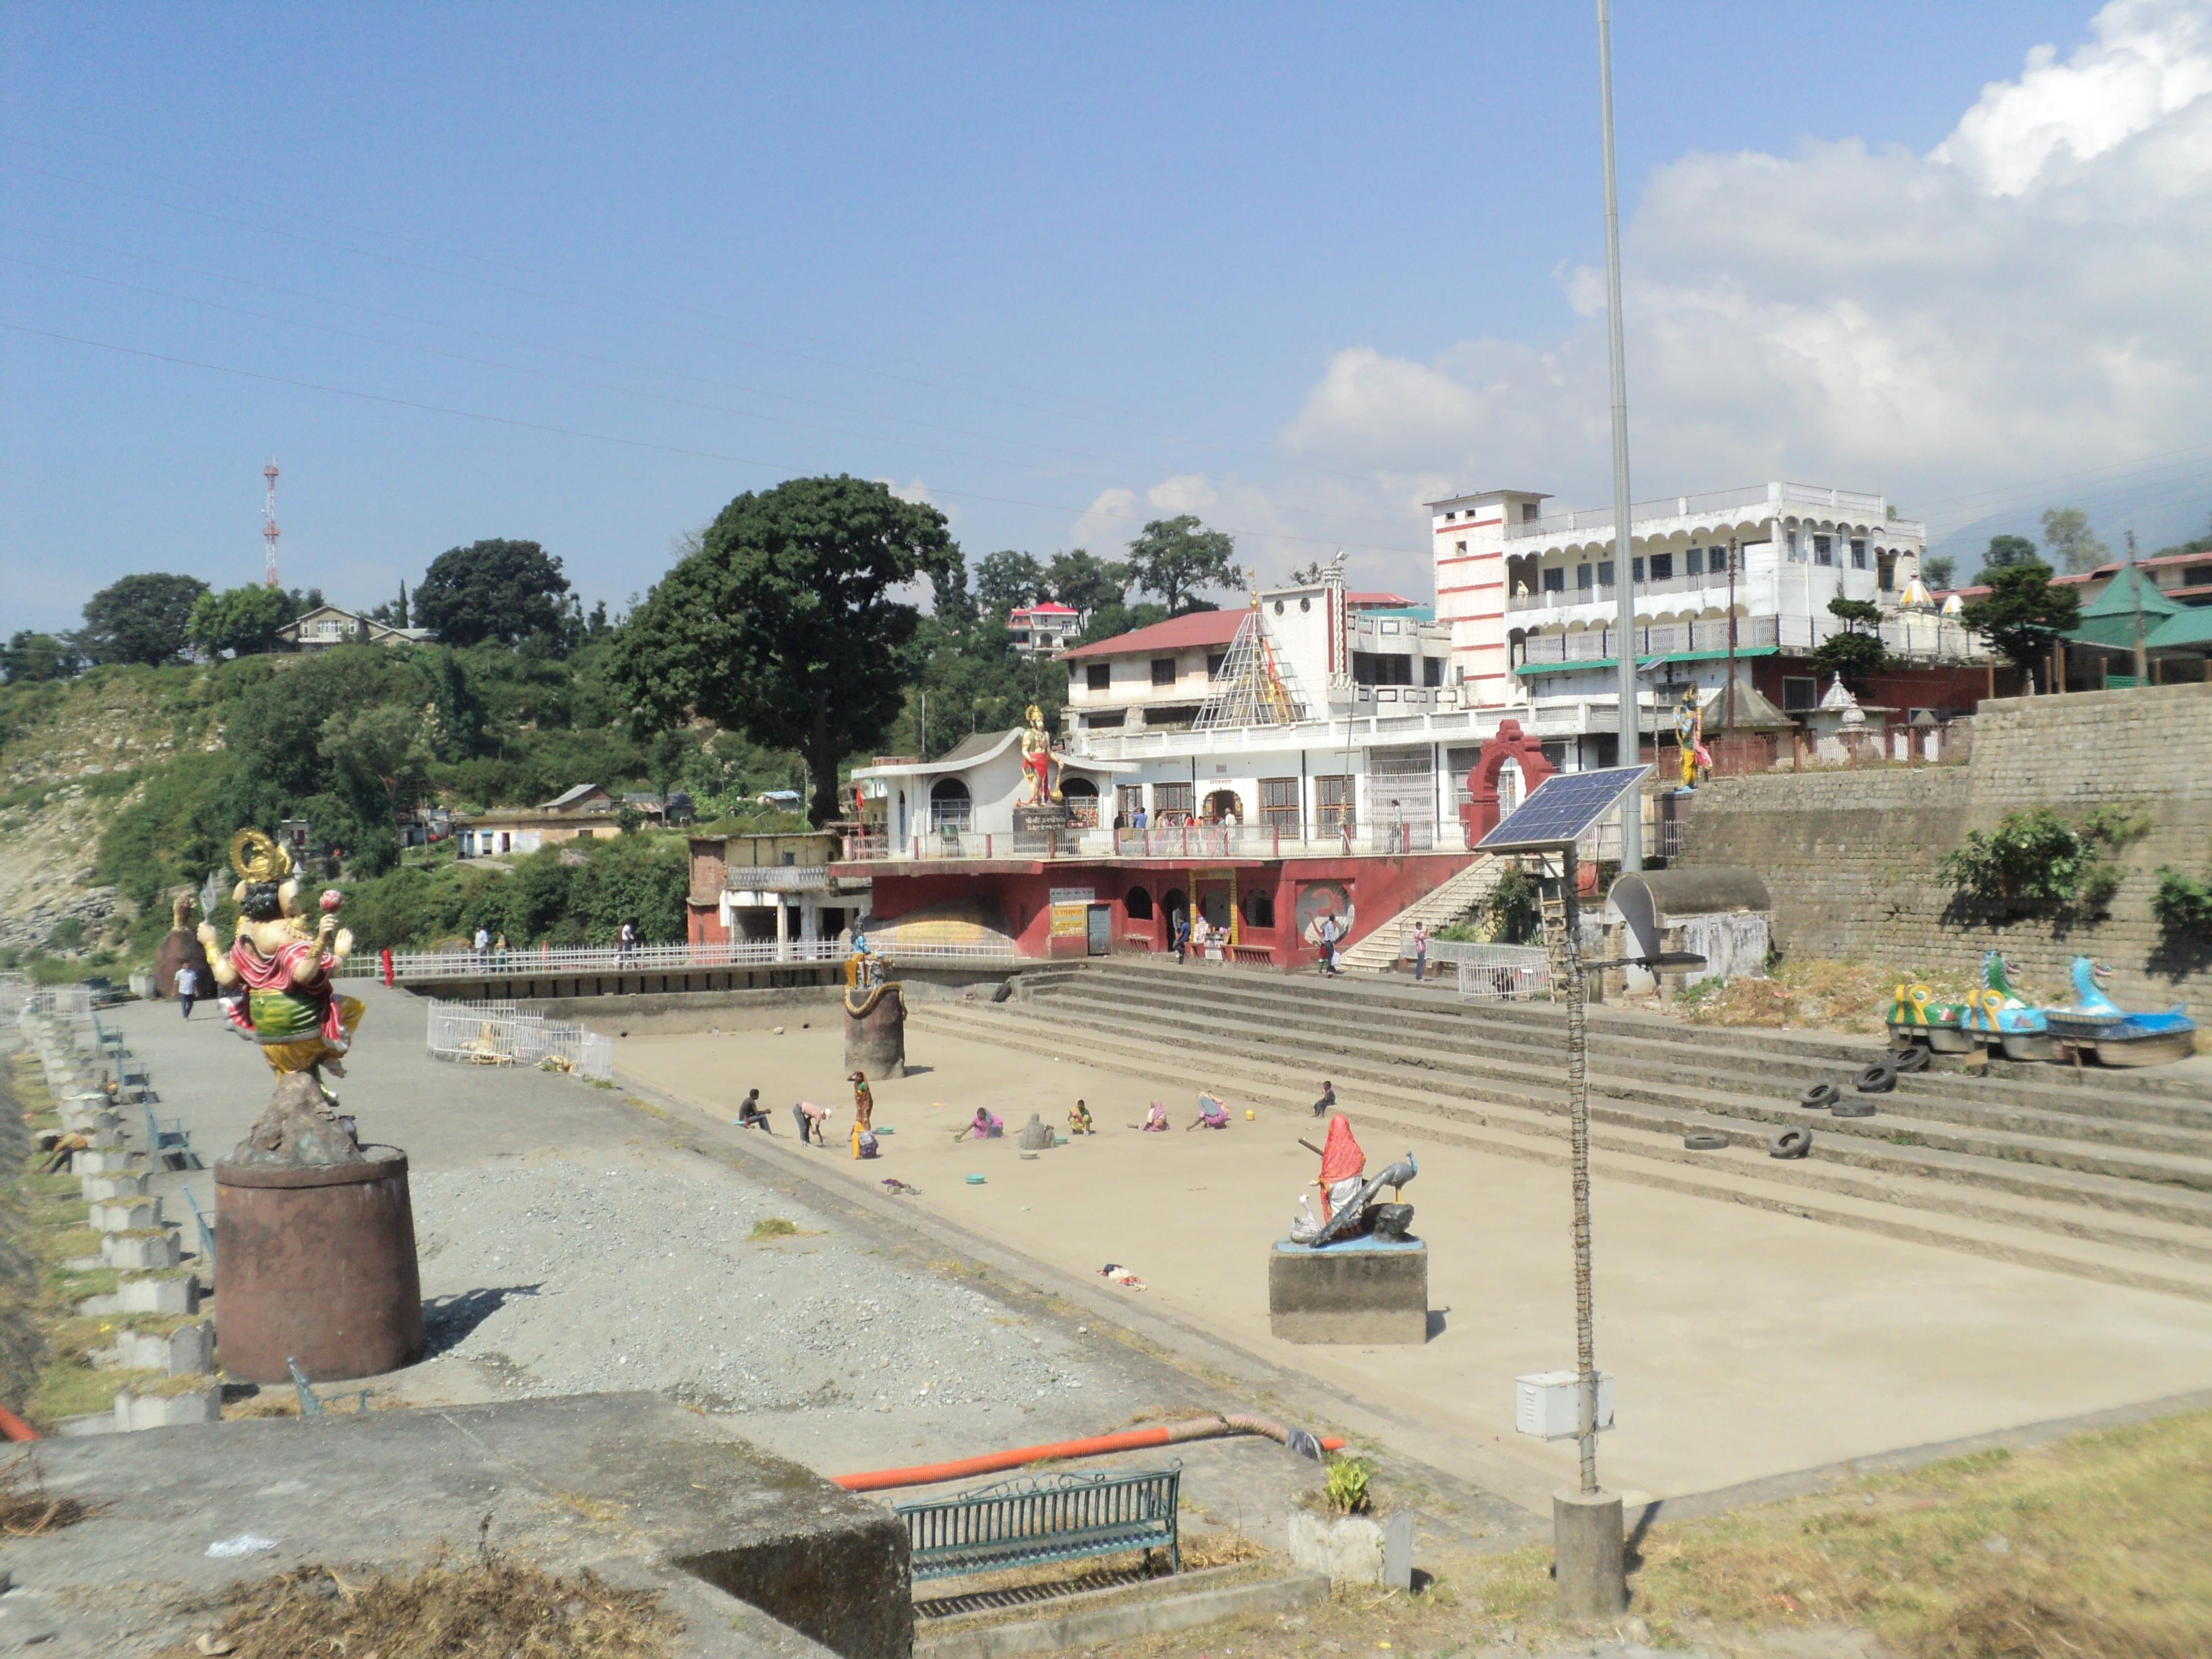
(1078, 1121)
(986, 1125)
(1212, 1114)
(1156, 1120)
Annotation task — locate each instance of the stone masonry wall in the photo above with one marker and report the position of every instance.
(1850, 856)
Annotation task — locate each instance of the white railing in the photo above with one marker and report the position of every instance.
(500, 1034)
(1774, 496)
(547, 964)
(1910, 635)
(1180, 841)
(1508, 972)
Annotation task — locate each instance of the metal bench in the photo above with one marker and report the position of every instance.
(169, 1142)
(105, 1041)
(133, 1081)
(1056, 1518)
(207, 1233)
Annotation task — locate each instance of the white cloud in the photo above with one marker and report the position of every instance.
(1108, 522)
(2025, 299)
(1186, 492)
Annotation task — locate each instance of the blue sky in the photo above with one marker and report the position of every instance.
(1060, 269)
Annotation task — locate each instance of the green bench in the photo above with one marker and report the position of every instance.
(1058, 1517)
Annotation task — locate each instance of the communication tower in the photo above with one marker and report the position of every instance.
(268, 531)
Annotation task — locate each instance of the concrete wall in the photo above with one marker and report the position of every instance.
(1850, 856)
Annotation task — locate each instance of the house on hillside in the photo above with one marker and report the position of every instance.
(1046, 627)
(328, 625)
(580, 813)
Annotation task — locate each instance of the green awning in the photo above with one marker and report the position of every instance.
(1742, 652)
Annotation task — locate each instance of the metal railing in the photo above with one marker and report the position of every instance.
(498, 1034)
(1509, 973)
(1040, 1519)
(776, 878)
(1175, 840)
(548, 964)
(1776, 496)
(1917, 638)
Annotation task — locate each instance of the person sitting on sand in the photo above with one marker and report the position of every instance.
(1078, 1121)
(1156, 1120)
(1212, 1114)
(988, 1126)
(751, 1115)
(813, 1123)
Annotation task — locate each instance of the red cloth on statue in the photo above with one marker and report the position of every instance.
(1341, 1156)
(262, 973)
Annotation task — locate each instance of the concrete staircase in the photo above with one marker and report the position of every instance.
(1378, 952)
(2106, 1176)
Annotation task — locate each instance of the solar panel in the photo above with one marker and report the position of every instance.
(1561, 810)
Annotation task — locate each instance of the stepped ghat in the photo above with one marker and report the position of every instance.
(2104, 1177)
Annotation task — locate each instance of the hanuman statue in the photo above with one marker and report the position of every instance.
(1037, 760)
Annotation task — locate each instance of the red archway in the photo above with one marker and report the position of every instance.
(1480, 814)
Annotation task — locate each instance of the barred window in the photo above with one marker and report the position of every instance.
(1279, 804)
(1334, 807)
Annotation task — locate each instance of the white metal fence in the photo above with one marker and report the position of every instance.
(1508, 972)
(500, 1034)
(546, 963)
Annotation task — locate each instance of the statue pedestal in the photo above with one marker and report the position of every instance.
(1364, 1292)
(1038, 820)
(875, 1032)
(316, 1262)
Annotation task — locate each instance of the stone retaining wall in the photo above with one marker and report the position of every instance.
(1849, 855)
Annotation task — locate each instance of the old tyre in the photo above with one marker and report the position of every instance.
(1878, 1078)
(1853, 1109)
(1704, 1140)
(1911, 1058)
(1819, 1097)
(1790, 1143)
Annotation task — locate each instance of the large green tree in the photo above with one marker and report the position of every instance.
(494, 589)
(2066, 533)
(1176, 557)
(241, 622)
(144, 619)
(1004, 580)
(785, 624)
(1857, 652)
(1084, 581)
(2005, 551)
(29, 656)
(2023, 616)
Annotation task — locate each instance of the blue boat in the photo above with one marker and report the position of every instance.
(1996, 1015)
(2098, 1024)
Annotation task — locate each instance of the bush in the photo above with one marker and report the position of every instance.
(2034, 860)
(2183, 903)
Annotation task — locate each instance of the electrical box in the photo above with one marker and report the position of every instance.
(1544, 1404)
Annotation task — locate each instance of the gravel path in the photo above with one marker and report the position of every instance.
(558, 1278)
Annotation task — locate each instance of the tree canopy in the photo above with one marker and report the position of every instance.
(2066, 534)
(1938, 570)
(29, 657)
(1857, 652)
(493, 590)
(145, 619)
(784, 623)
(241, 622)
(1084, 581)
(2023, 616)
(1176, 557)
(1004, 580)
(2005, 551)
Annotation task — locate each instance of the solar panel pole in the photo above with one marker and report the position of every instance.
(1624, 569)
(1588, 1542)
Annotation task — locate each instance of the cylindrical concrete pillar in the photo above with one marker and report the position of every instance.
(316, 1263)
(875, 1031)
(1588, 1554)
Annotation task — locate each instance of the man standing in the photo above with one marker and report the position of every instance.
(1182, 936)
(188, 988)
(482, 941)
(625, 942)
(1420, 951)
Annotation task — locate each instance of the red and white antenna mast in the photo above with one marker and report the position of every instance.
(268, 531)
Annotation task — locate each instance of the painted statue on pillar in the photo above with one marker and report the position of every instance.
(1038, 786)
(277, 982)
(1690, 735)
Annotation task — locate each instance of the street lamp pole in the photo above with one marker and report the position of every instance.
(1623, 568)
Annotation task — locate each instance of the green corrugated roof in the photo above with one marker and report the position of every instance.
(2189, 627)
(1741, 650)
(2117, 599)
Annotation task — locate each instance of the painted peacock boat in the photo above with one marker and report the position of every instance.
(1996, 1016)
(1915, 1015)
(2097, 1024)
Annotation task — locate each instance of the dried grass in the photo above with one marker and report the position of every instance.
(1815, 994)
(26, 1511)
(493, 1607)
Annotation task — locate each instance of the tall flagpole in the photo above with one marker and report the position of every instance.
(1623, 567)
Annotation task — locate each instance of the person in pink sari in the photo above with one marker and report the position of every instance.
(1156, 1120)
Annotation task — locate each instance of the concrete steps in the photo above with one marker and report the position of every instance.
(2099, 1178)
(2112, 1247)
(1523, 1068)
(1378, 952)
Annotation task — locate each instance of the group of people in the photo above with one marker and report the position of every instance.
(813, 1119)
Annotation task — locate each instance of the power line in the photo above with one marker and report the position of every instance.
(596, 437)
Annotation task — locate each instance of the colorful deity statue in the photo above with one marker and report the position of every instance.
(277, 978)
(1996, 1014)
(1038, 786)
(1915, 1015)
(1690, 735)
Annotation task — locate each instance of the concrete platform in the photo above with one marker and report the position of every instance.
(1358, 1293)
(643, 1492)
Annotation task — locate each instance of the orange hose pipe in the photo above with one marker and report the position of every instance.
(1097, 1445)
(13, 1427)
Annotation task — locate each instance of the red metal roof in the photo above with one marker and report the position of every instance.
(1044, 608)
(1376, 601)
(1182, 633)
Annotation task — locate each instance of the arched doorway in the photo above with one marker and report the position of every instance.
(1510, 744)
(1137, 905)
(950, 805)
(1174, 902)
(1222, 807)
(1259, 907)
(1080, 797)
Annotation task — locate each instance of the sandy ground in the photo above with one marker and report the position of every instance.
(1746, 1343)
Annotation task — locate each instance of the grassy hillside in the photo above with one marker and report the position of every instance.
(125, 784)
